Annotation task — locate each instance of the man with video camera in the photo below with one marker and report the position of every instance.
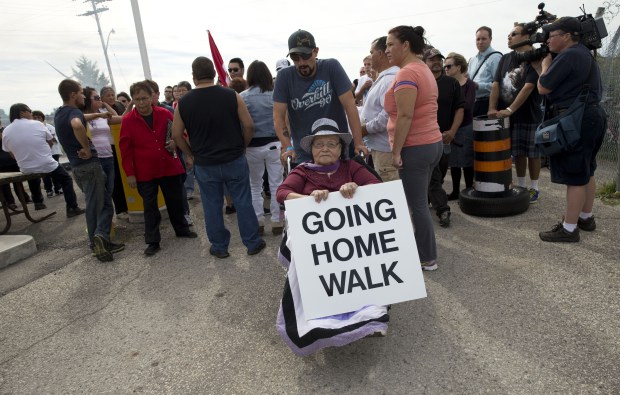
(514, 95)
(561, 80)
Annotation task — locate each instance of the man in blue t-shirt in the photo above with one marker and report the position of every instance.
(71, 131)
(562, 79)
(311, 90)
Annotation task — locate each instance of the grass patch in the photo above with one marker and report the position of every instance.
(607, 193)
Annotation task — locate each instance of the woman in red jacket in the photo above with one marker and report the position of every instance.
(150, 163)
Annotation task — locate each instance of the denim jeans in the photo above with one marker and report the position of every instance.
(211, 181)
(48, 182)
(107, 164)
(99, 211)
(64, 180)
(189, 181)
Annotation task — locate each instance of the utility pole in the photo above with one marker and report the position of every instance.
(96, 12)
(141, 42)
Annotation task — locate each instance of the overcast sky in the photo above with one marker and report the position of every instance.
(34, 32)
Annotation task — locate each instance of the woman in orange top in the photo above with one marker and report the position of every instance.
(416, 141)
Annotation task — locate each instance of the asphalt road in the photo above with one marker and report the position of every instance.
(505, 313)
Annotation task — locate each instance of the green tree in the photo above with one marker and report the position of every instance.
(88, 74)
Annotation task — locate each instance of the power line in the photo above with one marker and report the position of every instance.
(95, 12)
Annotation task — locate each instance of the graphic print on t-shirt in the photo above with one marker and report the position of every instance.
(512, 83)
(319, 94)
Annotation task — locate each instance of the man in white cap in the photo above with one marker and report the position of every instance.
(282, 63)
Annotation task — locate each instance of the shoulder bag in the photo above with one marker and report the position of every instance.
(562, 132)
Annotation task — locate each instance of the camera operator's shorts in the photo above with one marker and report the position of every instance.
(522, 141)
(577, 166)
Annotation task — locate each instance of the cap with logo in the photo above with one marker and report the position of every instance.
(301, 42)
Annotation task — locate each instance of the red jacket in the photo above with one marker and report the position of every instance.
(142, 149)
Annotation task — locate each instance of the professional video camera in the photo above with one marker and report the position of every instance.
(592, 31)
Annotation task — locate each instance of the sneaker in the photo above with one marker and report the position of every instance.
(74, 211)
(587, 224)
(533, 195)
(558, 234)
(190, 195)
(230, 210)
(152, 249)
(444, 219)
(50, 194)
(429, 266)
(189, 220)
(40, 206)
(101, 250)
(115, 247)
(221, 255)
(59, 192)
(112, 247)
(12, 206)
(188, 235)
(258, 249)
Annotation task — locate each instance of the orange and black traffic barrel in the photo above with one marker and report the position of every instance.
(493, 194)
(492, 160)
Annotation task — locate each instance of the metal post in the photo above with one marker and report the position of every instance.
(105, 48)
(141, 42)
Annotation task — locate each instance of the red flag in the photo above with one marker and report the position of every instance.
(218, 62)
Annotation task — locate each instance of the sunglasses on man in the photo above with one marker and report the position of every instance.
(296, 56)
(233, 70)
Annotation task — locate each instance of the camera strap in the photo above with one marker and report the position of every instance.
(484, 60)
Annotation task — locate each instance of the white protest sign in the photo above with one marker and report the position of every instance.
(351, 253)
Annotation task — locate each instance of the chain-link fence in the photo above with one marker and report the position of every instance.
(609, 63)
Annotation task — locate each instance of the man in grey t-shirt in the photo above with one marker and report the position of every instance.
(311, 90)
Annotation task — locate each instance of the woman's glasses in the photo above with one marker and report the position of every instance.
(323, 145)
(448, 66)
(296, 56)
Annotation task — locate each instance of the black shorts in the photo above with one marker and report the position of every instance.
(577, 166)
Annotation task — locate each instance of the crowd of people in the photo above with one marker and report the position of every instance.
(410, 113)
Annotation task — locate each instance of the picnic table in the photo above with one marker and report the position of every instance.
(18, 178)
